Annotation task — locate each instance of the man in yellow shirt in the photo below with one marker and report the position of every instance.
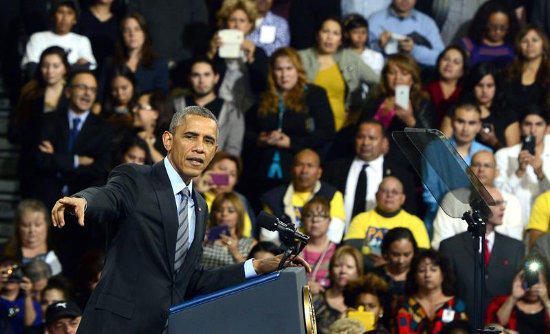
(539, 219)
(367, 229)
(286, 201)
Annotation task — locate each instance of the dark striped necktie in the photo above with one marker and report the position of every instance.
(183, 230)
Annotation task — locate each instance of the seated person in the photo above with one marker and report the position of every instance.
(319, 249)
(264, 250)
(63, 317)
(429, 294)
(367, 229)
(287, 201)
(16, 302)
(418, 33)
(32, 235)
(78, 47)
(526, 309)
(523, 173)
(369, 291)
(203, 79)
(39, 273)
(271, 31)
(227, 209)
(356, 38)
(52, 293)
(484, 168)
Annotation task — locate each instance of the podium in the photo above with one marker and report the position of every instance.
(275, 303)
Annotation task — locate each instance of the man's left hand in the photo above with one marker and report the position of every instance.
(266, 266)
(46, 147)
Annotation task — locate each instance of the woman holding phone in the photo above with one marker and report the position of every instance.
(225, 243)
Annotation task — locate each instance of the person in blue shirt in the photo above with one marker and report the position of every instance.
(401, 28)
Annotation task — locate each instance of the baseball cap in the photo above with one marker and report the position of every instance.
(62, 309)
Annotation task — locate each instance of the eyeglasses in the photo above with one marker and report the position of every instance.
(502, 27)
(311, 215)
(84, 88)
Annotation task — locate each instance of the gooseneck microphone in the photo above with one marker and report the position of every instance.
(272, 223)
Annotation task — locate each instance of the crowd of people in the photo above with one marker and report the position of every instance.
(307, 95)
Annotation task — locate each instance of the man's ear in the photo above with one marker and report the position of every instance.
(216, 78)
(167, 140)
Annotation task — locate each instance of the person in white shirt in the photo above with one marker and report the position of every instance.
(356, 37)
(484, 168)
(78, 47)
(521, 172)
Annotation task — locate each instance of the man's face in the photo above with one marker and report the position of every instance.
(466, 124)
(203, 79)
(82, 92)
(484, 167)
(534, 125)
(263, 6)
(403, 6)
(390, 197)
(192, 146)
(306, 170)
(498, 209)
(369, 141)
(64, 326)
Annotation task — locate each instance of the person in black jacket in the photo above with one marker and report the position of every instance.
(292, 115)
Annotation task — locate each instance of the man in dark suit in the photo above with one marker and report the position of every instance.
(73, 154)
(370, 144)
(149, 267)
(501, 263)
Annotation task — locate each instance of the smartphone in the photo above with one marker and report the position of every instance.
(220, 179)
(215, 232)
(529, 144)
(486, 127)
(402, 96)
(531, 274)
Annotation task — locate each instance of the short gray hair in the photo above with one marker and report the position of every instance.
(37, 269)
(179, 117)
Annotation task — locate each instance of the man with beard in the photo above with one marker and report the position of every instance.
(203, 79)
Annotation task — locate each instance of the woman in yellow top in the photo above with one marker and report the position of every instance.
(339, 71)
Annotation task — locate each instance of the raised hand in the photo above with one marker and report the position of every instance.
(73, 205)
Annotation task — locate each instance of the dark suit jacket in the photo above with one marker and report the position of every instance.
(137, 285)
(57, 169)
(503, 266)
(336, 172)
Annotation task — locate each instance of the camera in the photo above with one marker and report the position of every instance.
(13, 275)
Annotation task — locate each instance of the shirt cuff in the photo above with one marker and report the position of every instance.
(75, 161)
(249, 271)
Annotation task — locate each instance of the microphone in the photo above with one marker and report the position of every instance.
(272, 223)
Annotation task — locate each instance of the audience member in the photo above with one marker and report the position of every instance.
(263, 250)
(491, 34)
(339, 71)
(356, 37)
(346, 326)
(503, 255)
(466, 124)
(305, 17)
(74, 153)
(458, 327)
(524, 173)
(346, 264)
(100, 25)
(88, 272)
(203, 79)
(229, 247)
(230, 165)
(361, 7)
(16, 302)
(400, 27)
(131, 150)
(287, 201)
(542, 247)
(539, 220)
(400, 69)
(42, 94)
(398, 249)
(52, 293)
(271, 32)
(358, 178)
(499, 123)
(528, 76)
(292, 115)
(370, 292)
(78, 47)
(319, 250)
(38, 272)
(179, 29)
(429, 294)
(134, 50)
(526, 309)
(63, 317)
(484, 168)
(367, 230)
(122, 96)
(452, 66)
(244, 78)
(31, 239)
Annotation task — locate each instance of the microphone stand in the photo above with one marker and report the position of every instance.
(291, 245)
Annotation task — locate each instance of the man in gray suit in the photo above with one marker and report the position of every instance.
(501, 264)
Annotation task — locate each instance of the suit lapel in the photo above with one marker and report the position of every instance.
(168, 209)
